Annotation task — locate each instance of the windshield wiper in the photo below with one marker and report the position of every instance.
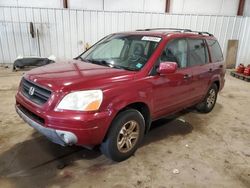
(128, 68)
(105, 63)
(99, 62)
(79, 57)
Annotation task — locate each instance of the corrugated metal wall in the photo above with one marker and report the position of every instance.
(64, 32)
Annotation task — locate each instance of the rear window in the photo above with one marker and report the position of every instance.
(216, 53)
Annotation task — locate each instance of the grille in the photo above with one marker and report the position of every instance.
(35, 93)
(31, 115)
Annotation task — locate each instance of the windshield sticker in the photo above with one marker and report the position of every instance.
(154, 39)
(138, 65)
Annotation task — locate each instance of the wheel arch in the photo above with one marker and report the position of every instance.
(215, 79)
(217, 83)
(142, 107)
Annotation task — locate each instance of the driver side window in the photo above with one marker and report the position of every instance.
(176, 51)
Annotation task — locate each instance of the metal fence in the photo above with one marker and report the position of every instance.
(63, 32)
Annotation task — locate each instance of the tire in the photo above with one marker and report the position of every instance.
(122, 139)
(209, 101)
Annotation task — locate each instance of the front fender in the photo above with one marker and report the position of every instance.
(127, 98)
(121, 96)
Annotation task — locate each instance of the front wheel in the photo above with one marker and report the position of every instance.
(208, 103)
(125, 135)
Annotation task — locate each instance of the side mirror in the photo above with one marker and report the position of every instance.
(167, 68)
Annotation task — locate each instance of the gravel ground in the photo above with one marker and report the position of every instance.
(191, 150)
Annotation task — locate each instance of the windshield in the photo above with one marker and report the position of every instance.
(130, 52)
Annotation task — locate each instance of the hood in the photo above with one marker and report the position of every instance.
(77, 75)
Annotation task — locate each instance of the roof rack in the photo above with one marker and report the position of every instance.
(172, 29)
(203, 32)
(178, 29)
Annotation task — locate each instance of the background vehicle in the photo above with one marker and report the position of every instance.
(110, 94)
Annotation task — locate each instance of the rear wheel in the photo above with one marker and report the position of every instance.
(208, 103)
(124, 136)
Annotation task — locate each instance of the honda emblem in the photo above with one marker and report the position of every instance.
(31, 91)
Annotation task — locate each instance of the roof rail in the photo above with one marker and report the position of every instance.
(204, 32)
(174, 29)
(178, 29)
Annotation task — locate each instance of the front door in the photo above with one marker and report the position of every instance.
(175, 91)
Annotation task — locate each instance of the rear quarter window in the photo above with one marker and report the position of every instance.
(215, 50)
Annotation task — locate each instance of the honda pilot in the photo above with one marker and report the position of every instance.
(109, 95)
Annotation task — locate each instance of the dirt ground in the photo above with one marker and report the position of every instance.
(209, 150)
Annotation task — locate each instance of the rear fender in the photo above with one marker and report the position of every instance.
(215, 78)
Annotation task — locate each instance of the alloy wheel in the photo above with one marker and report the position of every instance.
(128, 136)
(211, 98)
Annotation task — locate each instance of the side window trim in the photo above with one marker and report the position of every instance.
(206, 52)
(209, 51)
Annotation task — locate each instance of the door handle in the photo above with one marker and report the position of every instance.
(187, 76)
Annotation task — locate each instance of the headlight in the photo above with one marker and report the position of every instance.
(81, 100)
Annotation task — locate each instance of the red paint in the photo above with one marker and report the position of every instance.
(240, 69)
(167, 68)
(247, 71)
(163, 94)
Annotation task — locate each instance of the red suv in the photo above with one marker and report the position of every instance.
(110, 94)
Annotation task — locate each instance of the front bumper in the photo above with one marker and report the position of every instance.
(65, 128)
(57, 136)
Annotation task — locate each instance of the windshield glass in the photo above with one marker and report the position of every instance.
(130, 52)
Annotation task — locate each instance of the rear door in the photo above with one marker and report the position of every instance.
(199, 62)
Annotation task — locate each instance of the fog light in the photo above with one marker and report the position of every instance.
(67, 137)
(64, 138)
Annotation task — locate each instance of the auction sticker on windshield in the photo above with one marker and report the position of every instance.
(154, 39)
